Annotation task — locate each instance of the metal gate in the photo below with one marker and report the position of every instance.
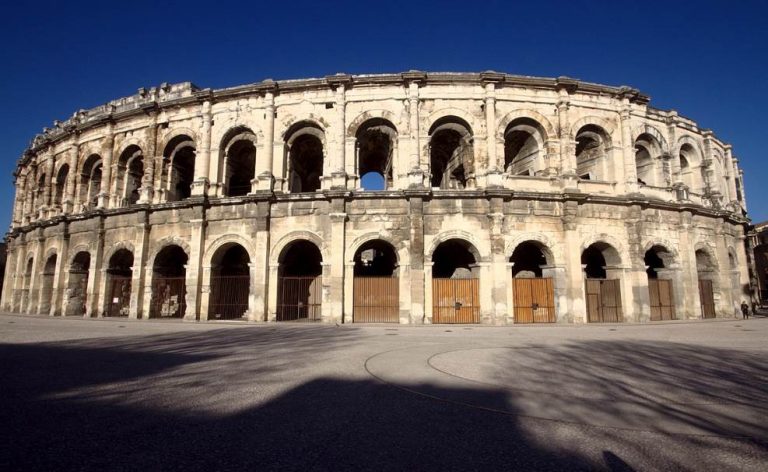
(603, 301)
(299, 298)
(534, 300)
(662, 299)
(168, 297)
(229, 297)
(707, 297)
(376, 300)
(455, 301)
(119, 293)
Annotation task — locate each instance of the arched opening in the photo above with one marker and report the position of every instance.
(26, 286)
(592, 161)
(77, 288)
(660, 286)
(60, 185)
(46, 288)
(603, 283)
(90, 182)
(240, 162)
(647, 153)
(40, 197)
(451, 154)
(455, 283)
(375, 144)
(299, 285)
(305, 153)
(707, 274)
(534, 294)
(376, 290)
(689, 159)
(169, 278)
(178, 172)
(119, 276)
(523, 139)
(130, 171)
(230, 283)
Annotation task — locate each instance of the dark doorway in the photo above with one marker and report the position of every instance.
(299, 286)
(230, 283)
(376, 284)
(169, 283)
(119, 276)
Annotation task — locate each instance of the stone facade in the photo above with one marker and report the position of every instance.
(188, 186)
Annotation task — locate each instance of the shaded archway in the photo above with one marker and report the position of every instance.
(305, 155)
(534, 291)
(119, 276)
(299, 283)
(691, 172)
(375, 144)
(602, 283)
(46, 288)
(169, 283)
(178, 171)
(90, 182)
(708, 286)
(130, 171)
(592, 162)
(523, 143)
(26, 286)
(239, 148)
(647, 160)
(376, 289)
(455, 283)
(77, 288)
(60, 185)
(230, 283)
(451, 153)
(657, 261)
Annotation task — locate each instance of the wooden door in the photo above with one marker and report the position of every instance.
(534, 300)
(376, 300)
(603, 301)
(662, 299)
(455, 301)
(707, 297)
(299, 298)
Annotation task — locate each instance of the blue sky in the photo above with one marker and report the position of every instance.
(706, 59)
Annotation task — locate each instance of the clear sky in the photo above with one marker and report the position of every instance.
(706, 59)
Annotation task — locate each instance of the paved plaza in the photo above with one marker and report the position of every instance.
(138, 395)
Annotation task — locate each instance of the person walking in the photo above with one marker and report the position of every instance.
(744, 310)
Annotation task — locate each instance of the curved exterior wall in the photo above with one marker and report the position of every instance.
(628, 190)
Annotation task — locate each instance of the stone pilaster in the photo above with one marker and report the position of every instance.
(194, 266)
(333, 311)
(150, 181)
(136, 303)
(417, 168)
(421, 278)
(628, 148)
(265, 166)
(95, 297)
(203, 153)
(494, 170)
(260, 282)
(108, 149)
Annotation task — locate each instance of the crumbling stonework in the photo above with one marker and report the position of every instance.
(250, 202)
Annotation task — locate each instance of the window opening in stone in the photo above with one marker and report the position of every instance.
(653, 262)
(119, 277)
(521, 148)
(178, 170)
(299, 287)
(241, 167)
(305, 160)
(90, 182)
(130, 171)
(61, 185)
(169, 283)
(453, 259)
(77, 289)
(375, 149)
(230, 283)
(375, 259)
(595, 263)
(646, 153)
(451, 156)
(591, 153)
(528, 259)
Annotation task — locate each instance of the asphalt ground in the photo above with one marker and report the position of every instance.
(135, 395)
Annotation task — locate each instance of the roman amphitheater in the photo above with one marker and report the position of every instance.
(404, 198)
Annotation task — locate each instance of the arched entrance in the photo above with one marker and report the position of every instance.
(455, 283)
(534, 293)
(707, 272)
(660, 287)
(169, 278)
(451, 155)
(299, 283)
(46, 289)
(305, 156)
(230, 283)
(602, 283)
(77, 288)
(375, 143)
(376, 284)
(26, 283)
(119, 275)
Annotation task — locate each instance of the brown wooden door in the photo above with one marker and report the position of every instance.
(707, 297)
(534, 300)
(299, 298)
(455, 301)
(662, 299)
(603, 301)
(376, 300)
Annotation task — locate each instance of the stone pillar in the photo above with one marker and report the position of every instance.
(36, 288)
(108, 150)
(628, 147)
(95, 299)
(349, 289)
(559, 276)
(264, 166)
(258, 307)
(417, 170)
(18, 204)
(574, 289)
(338, 153)
(567, 143)
(740, 183)
(689, 275)
(194, 266)
(47, 194)
(203, 154)
(674, 150)
(68, 205)
(57, 303)
(730, 170)
(136, 307)
(425, 293)
(338, 218)
(493, 172)
(274, 275)
(150, 188)
(421, 276)
(497, 276)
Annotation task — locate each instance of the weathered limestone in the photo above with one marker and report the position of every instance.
(505, 171)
